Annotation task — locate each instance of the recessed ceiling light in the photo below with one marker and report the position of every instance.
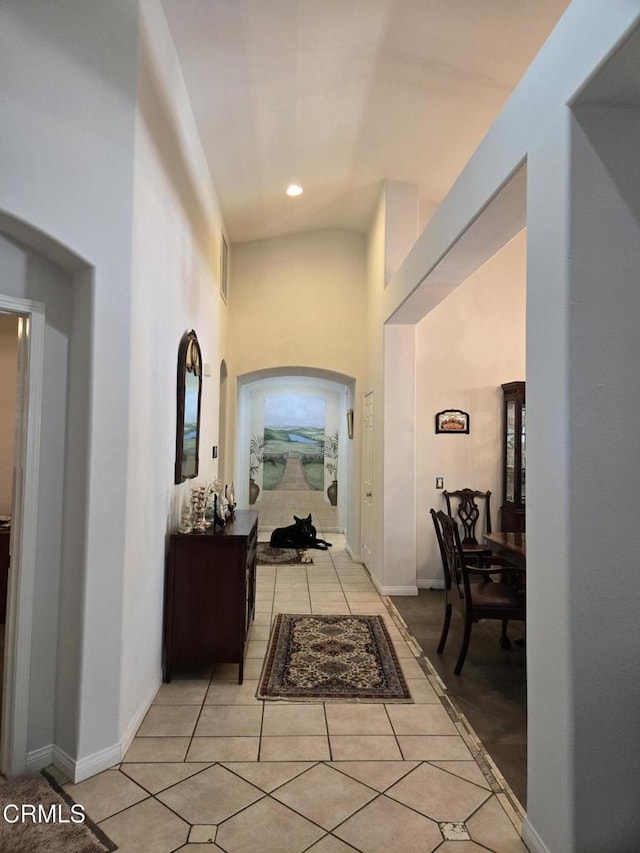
(294, 189)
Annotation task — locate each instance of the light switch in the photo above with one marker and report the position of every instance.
(439, 482)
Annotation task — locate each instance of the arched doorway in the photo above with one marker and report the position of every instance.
(44, 285)
(310, 456)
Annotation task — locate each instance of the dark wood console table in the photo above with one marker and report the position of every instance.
(210, 595)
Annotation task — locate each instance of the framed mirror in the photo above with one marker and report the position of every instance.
(188, 408)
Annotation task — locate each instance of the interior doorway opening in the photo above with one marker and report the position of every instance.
(293, 450)
(25, 351)
(8, 401)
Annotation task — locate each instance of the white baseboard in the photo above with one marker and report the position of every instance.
(532, 839)
(393, 590)
(92, 764)
(79, 770)
(39, 758)
(355, 557)
(63, 762)
(138, 717)
(430, 583)
(399, 590)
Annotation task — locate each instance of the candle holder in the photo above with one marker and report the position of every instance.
(186, 525)
(198, 508)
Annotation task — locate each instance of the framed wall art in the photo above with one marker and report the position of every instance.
(452, 421)
(189, 395)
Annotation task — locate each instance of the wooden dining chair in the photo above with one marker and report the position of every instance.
(471, 509)
(474, 598)
(466, 506)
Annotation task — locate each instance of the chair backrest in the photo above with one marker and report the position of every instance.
(467, 512)
(456, 579)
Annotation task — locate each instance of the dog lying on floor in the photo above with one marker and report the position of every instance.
(302, 534)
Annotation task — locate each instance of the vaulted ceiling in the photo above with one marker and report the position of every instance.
(339, 95)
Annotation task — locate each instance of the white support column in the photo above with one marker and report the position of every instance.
(583, 396)
(399, 563)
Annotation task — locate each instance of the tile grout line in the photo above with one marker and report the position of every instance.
(328, 833)
(481, 757)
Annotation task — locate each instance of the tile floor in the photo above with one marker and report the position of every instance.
(214, 768)
(492, 691)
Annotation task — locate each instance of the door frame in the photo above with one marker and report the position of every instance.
(19, 621)
(366, 498)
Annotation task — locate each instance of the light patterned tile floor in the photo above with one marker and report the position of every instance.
(212, 765)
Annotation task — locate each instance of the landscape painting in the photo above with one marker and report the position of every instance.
(294, 430)
(190, 434)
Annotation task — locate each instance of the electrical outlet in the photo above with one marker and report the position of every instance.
(439, 482)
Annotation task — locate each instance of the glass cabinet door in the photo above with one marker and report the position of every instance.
(510, 452)
(523, 458)
(514, 458)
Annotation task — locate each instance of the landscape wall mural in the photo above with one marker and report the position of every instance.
(294, 432)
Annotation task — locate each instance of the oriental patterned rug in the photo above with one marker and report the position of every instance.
(268, 556)
(316, 658)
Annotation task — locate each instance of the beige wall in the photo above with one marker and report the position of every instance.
(300, 301)
(374, 383)
(469, 345)
(390, 376)
(8, 371)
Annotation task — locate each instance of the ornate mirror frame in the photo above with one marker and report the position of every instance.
(188, 407)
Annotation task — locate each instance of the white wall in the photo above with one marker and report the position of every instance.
(581, 376)
(175, 287)
(120, 188)
(374, 383)
(582, 308)
(68, 90)
(390, 375)
(25, 275)
(466, 348)
(9, 373)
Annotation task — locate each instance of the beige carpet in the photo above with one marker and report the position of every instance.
(42, 828)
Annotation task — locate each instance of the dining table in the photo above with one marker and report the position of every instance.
(512, 546)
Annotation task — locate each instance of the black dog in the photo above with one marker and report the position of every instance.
(302, 534)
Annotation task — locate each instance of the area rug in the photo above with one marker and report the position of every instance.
(317, 658)
(268, 556)
(47, 825)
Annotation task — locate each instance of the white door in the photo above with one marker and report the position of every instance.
(367, 477)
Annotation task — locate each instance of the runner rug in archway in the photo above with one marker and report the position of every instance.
(269, 556)
(323, 657)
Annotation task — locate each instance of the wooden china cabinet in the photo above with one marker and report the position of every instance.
(514, 456)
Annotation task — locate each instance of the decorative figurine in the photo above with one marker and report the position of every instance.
(199, 505)
(218, 518)
(231, 497)
(185, 525)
